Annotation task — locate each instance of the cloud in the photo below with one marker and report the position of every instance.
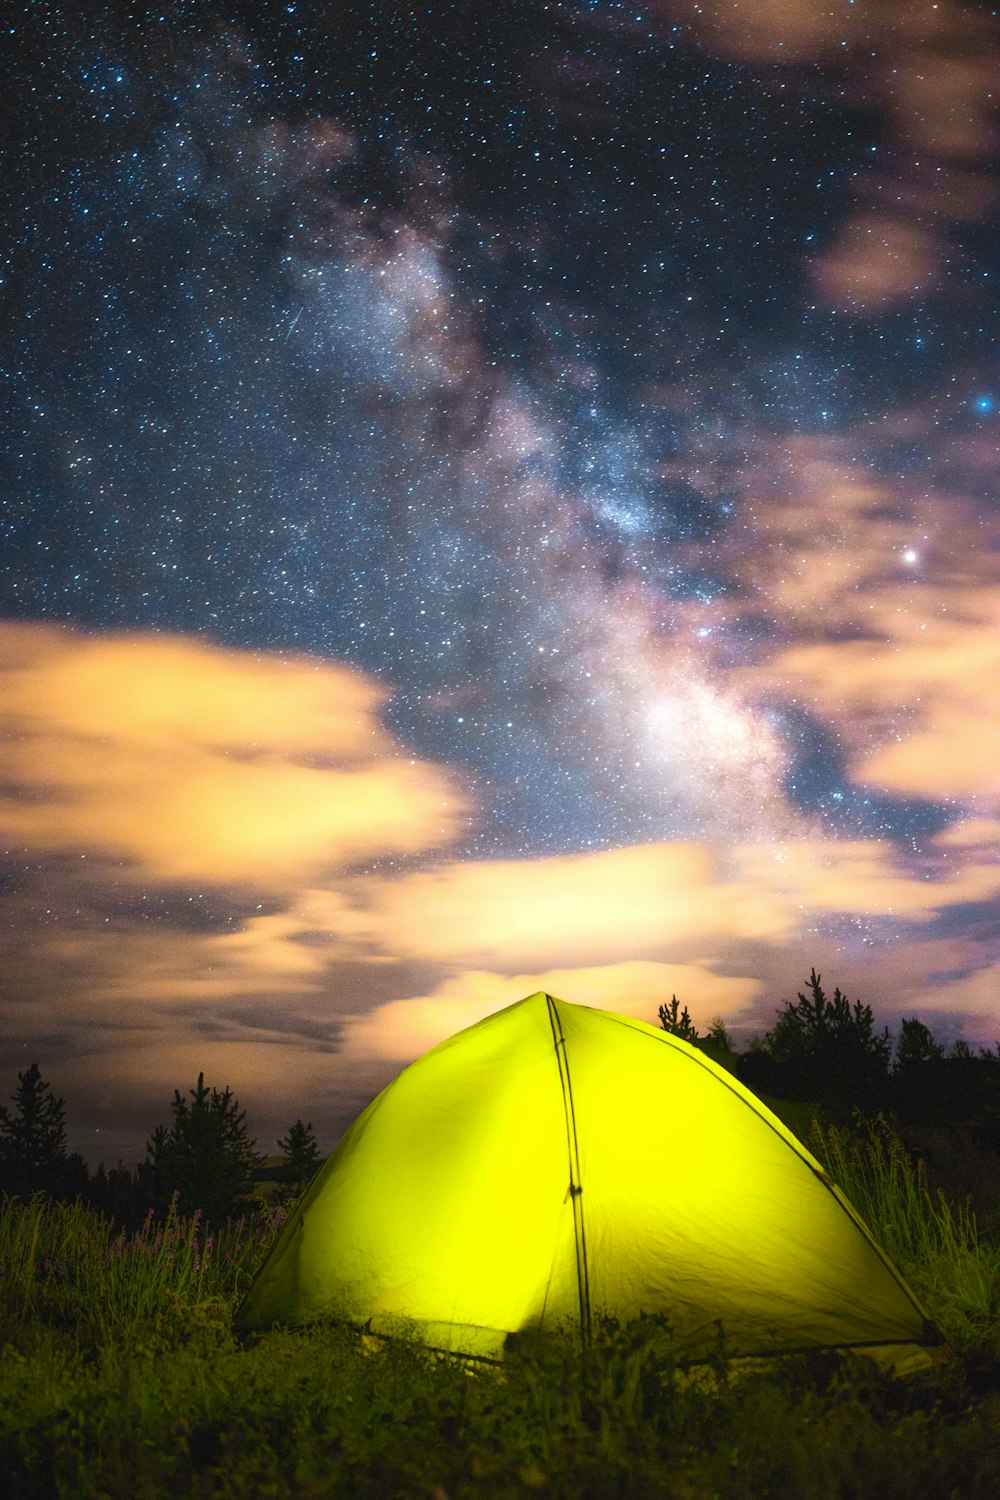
(909, 699)
(975, 998)
(196, 763)
(891, 610)
(654, 902)
(931, 68)
(940, 93)
(835, 538)
(510, 915)
(824, 527)
(780, 31)
(970, 833)
(878, 259)
(806, 879)
(195, 824)
(403, 1029)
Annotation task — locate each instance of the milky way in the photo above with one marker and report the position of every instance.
(593, 377)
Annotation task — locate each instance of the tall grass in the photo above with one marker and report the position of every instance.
(120, 1377)
(935, 1243)
(65, 1264)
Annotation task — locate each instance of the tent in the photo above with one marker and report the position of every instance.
(555, 1164)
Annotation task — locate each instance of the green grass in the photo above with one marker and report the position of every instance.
(66, 1266)
(935, 1242)
(120, 1377)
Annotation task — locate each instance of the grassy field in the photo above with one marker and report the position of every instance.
(121, 1378)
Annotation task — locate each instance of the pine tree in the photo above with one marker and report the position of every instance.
(828, 1050)
(677, 1024)
(300, 1159)
(718, 1045)
(916, 1045)
(33, 1142)
(206, 1157)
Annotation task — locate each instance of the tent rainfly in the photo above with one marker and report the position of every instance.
(555, 1164)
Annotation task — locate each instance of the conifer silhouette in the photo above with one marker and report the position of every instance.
(33, 1154)
(206, 1158)
(300, 1159)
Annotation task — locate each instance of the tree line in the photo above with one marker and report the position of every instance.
(824, 1050)
(829, 1051)
(205, 1160)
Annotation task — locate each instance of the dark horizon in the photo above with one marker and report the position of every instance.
(859, 1066)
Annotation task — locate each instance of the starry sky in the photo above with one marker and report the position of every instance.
(494, 497)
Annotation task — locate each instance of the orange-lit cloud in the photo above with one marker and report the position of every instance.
(970, 834)
(402, 1029)
(192, 762)
(646, 915)
(910, 699)
(931, 67)
(653, 902)
(941, 92)
(834, 540)
(896, 619)
(860, 876)
(779, 31)
(878, 259)
(824, 528)
(511, 915)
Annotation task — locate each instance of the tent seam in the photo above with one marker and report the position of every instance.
(573, 1154)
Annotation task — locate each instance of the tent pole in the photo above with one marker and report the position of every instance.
(575, 1185)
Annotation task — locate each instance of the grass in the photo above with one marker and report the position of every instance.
(935, 1242)
(121, 1378)
(65, 1266)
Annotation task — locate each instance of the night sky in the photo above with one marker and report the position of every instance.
(495, 497)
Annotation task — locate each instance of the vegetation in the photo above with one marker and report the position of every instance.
(935, 1240)
(824, 1050)
(33, 1142)
(916, 1046)
(716, 1043)
(678, 1022)
(121, 1375)
(204, 1164)
(300, 1156)
(206, 1160)
(829, 1050)
(822, 1054)
(829, 1053)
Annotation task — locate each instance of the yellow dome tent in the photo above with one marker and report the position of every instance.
(555, 1164)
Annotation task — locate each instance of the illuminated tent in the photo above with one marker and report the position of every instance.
(554, 1164)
